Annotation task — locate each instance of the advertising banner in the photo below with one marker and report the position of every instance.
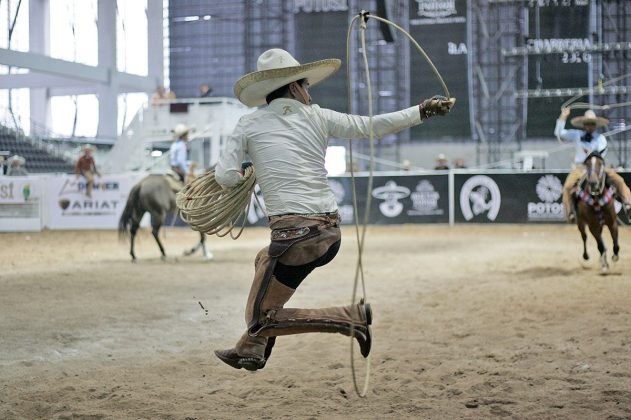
(69, 207)
(513, 197)
(395, 199)
(20, 204)
(509, 198)
(19, 190)
(444, 22)
(505, 197)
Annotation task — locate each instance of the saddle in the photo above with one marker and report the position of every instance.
(174, 181)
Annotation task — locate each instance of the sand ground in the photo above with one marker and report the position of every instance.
(470, 322)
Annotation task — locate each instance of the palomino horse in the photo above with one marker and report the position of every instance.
(155, 195)
(595, 208)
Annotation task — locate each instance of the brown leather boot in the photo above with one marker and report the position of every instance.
(252, 352)
(349, 320)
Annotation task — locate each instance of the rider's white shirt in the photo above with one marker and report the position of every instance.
(177, 152)
(286, 142)
(582, 148)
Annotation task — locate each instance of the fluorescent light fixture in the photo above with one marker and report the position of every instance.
(207, 17)
(191, 18)
(156, 153)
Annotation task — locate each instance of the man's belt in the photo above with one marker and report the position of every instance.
(327, 214)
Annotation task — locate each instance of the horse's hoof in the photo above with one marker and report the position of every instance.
(188, 253)
(133, 260)
(163, 258)
(614, 257)
(209, 256)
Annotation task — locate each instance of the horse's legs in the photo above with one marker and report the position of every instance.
(596, 229)
(581, 228)
(207, 254)
(133, 229)
(156, 223)
(613, 229)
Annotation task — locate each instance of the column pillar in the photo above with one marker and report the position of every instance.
(39, 42)
(155, 42)
(108, 93)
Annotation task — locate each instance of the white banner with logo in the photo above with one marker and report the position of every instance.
(20, 203)
(69, 206)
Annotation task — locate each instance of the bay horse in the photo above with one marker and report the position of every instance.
(153, 194)
(595, 208)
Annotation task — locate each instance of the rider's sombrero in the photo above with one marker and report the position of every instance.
(589, 117)
(180, 129)
(277, 68)
(88, 147)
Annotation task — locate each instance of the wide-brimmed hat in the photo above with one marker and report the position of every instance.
(589, 117)
(277, 68)
(16, 158)
(180, 130)
(88, 147)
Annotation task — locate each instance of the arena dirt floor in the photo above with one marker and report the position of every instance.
(470, 322)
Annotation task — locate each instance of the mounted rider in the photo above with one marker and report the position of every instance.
(587, 141)
(178, 151)
(286, 141)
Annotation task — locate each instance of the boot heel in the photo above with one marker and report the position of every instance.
(368, 310)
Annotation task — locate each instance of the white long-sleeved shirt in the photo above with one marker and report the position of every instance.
(287, 141)
(582, 148)
(177, 153)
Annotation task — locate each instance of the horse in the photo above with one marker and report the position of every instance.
(153, 194)
(595, 207)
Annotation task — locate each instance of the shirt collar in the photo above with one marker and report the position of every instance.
(285, 106)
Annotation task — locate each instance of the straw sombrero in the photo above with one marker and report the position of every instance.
(590, 116)
(180, 129)
(88, 147)
(16, 158)
(277, 68)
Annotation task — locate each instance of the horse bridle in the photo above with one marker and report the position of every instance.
(589, 170)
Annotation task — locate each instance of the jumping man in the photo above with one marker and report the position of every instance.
(587, 141)
(286, 141)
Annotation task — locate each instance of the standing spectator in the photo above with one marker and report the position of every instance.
(459, 164)
(15, 167)
(178, 151)
(161, 95)
(86, 167)
(205, 89)
(441, 162)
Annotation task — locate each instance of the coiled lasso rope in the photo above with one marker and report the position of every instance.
(210, 209)
(361, 236)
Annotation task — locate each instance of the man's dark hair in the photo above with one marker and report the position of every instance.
(282, 91)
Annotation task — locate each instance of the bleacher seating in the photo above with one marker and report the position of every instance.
(38, 160)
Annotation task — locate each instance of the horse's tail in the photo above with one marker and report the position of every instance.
(128, 211)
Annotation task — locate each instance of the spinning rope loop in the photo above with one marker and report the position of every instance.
(210, 209)
(572, 104)
(361, 235)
